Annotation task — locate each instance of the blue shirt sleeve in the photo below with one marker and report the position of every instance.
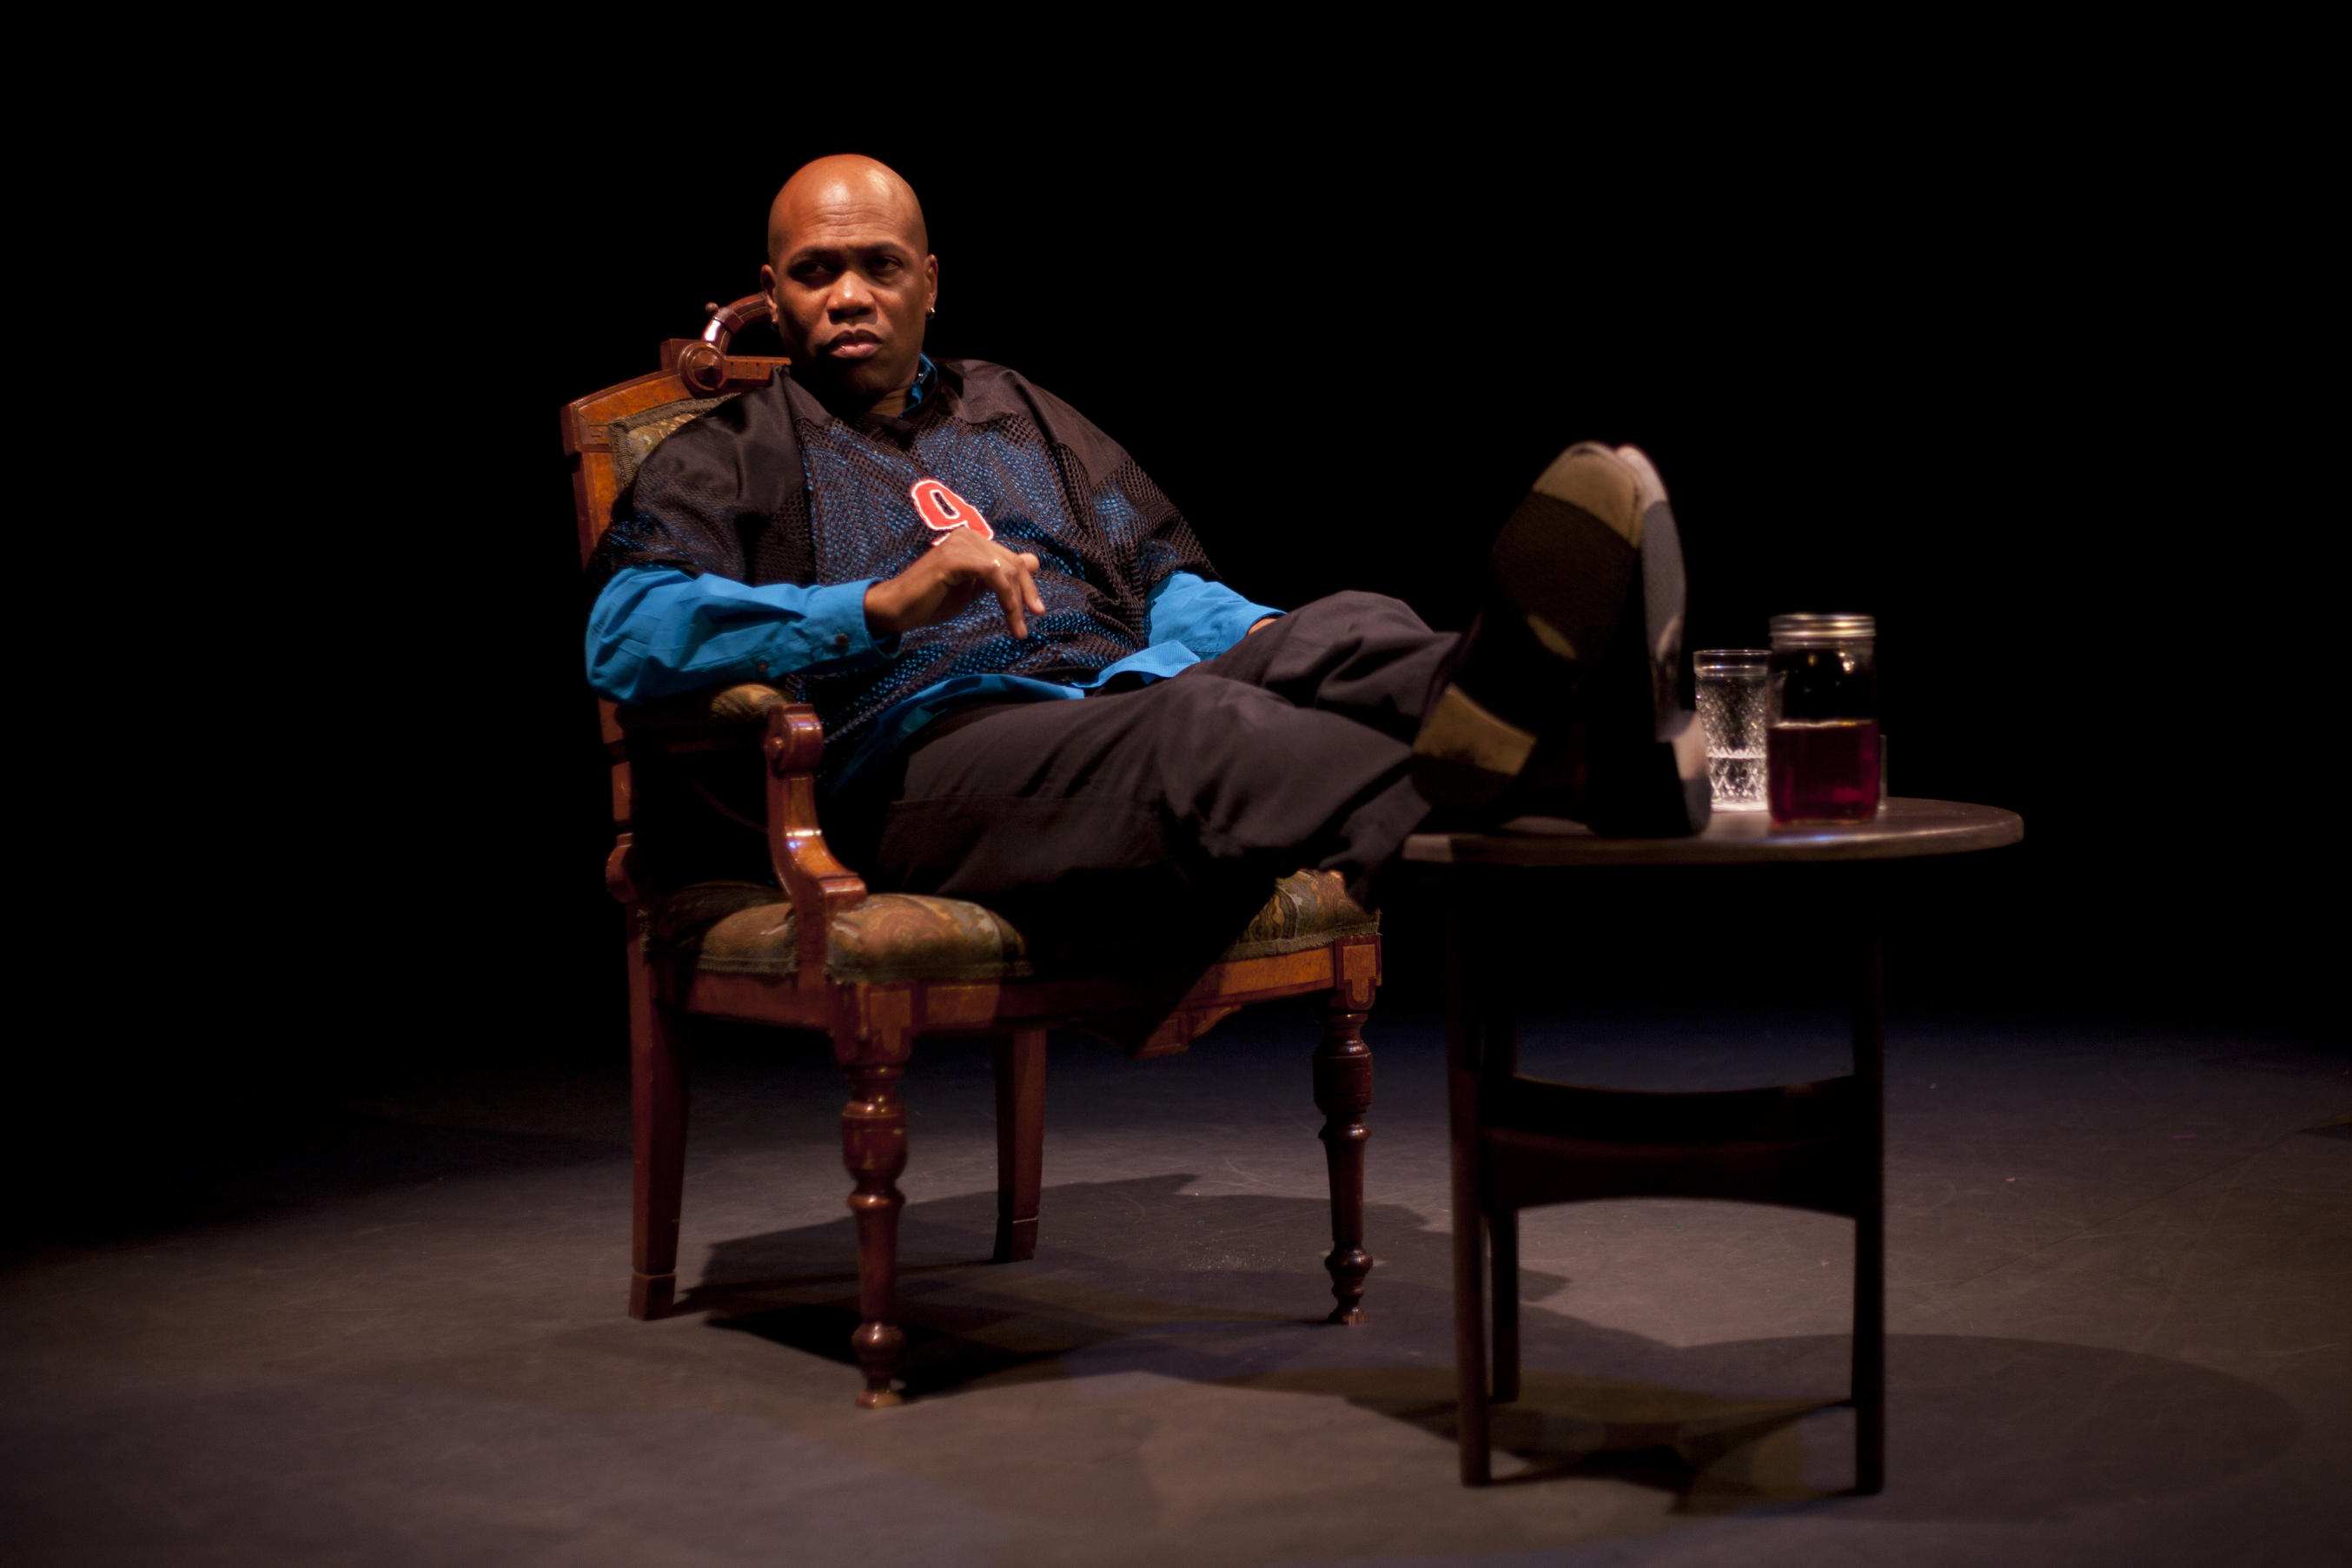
(655, 631)
(1206, 617)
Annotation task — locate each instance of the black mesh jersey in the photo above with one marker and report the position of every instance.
(772, 487)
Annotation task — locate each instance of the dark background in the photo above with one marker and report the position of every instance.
(2013, 386)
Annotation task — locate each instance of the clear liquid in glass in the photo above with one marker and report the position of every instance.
(1736, 780)
(1731, 714)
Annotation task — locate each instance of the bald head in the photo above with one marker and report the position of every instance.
(851, 279)
(845, 186)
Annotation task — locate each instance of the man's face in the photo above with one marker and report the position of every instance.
(851, 286)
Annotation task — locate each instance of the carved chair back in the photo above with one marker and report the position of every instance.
(609, 434)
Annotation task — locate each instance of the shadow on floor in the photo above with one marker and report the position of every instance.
(1122, 1260)
(1140, 1277)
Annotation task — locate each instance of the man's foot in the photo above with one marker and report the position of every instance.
(1564, 694)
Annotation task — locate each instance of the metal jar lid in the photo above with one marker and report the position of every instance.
(1822, 631)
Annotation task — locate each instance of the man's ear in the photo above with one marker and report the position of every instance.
(931, 276)
(772, 292)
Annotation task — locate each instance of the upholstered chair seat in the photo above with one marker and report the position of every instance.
(749, 928)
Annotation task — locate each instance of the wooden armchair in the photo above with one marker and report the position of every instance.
(813, 950)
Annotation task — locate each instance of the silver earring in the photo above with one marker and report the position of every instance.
(930, 312)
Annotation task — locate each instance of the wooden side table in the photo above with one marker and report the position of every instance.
(1520, 1142)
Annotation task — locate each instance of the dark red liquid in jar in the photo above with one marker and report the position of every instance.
(1823, 771)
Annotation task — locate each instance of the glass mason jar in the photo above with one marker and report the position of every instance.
(1822, 706)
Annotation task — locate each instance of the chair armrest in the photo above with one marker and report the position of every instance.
(819, 886)
(791, 741)
(726, 719)
(723, 718)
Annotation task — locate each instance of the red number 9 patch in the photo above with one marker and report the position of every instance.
(943, 511)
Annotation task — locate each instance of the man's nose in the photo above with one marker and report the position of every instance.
(850, 298)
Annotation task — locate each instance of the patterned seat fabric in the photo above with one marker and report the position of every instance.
(745, 928)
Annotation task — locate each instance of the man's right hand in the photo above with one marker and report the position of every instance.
(949, 576)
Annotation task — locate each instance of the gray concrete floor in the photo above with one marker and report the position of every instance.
(388, 1329)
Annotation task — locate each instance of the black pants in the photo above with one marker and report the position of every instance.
(1141, 815)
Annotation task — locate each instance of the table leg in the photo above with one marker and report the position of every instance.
(1870, 1203)
(1503, 1242)
(1462, 1105)
(1498, 1063)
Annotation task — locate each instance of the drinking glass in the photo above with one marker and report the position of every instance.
(1731, 712)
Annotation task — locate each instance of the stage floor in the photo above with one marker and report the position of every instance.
(385, 1325)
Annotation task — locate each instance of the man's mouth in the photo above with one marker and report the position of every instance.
(853, 346)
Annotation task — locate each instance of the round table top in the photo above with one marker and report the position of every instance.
(1904, 829)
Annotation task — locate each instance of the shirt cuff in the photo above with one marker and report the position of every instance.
(1206, 617)
(831, 630)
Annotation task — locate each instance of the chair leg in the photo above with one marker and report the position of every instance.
(874, 1149)
(1870, 1213)
(657, 1127)
(1503, 1243)
(1343, 1092)
(1019, 1141)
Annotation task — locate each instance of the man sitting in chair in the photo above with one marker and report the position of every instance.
(945, 559)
